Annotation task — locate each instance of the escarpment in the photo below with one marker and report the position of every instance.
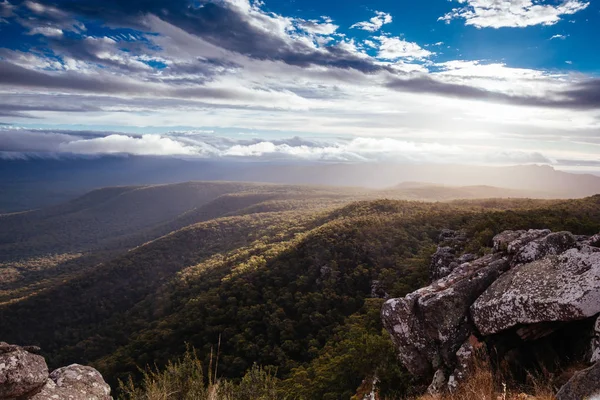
(533, 301)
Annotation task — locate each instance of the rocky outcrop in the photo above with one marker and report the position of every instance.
(428, 326)
(25, 376)
(21, 372)
(556, 288)
(532, 283)
(583, 385)
(446, 258)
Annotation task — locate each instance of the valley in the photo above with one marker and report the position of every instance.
(282, 276)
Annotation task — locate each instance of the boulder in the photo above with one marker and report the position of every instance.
(75, 382)
(534, 281)
(583, 385)
(428, 326)
(24, 376)
(551, 244)
(554, 288)
(21, 372)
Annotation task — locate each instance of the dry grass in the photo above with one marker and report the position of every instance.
(483, 384)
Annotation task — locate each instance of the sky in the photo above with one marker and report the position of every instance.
(482, 82)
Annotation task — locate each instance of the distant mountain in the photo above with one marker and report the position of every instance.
(34, 183)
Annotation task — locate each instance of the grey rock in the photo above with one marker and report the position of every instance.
(595, 344)
(75, 382)
(443, 262)
(438, 383)
(584, 385)
(554, 288)
(378, 290)
(594, 240)
(429, 325)
(468, 257)
(511, 242)
(21, 372)
(466, 358)
(551, 244)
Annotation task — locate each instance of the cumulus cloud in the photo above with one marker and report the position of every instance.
(512, 13)
(393, 48)
(318, 27)
(144, 145)
(374, 24)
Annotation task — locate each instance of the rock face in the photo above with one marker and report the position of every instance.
(595, 345)
(428, 326)
(554, 288)
(445, 259)
(21, 372)
(533, 281)
(583, 385)
(24, 375)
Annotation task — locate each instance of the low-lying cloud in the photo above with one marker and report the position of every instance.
(15, 143)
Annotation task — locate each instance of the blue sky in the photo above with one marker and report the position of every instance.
(462, 81)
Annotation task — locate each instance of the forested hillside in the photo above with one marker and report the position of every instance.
(288, 278)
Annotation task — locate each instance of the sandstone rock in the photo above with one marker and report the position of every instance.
(555, 288)
(428, 326)
(75, 382)
(21, 372)
(583, 385)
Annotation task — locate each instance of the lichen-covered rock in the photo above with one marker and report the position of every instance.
(445, 259)
(466, 358)
(551, 244)
(437, 383)
(534, 281)
(554, 288)
(428, 326)
(525, 238)
(595, 345)
(75, 382)
(583, 385)
(443, 262)
(21, 372)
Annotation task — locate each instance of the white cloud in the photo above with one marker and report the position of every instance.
(145, 145)
(512, 13)
(374, 24)
(562, 37)
(46, 31)
(17, 142)
(316, 27)
(393, 48)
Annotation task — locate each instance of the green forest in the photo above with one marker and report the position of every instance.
(281, 294)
